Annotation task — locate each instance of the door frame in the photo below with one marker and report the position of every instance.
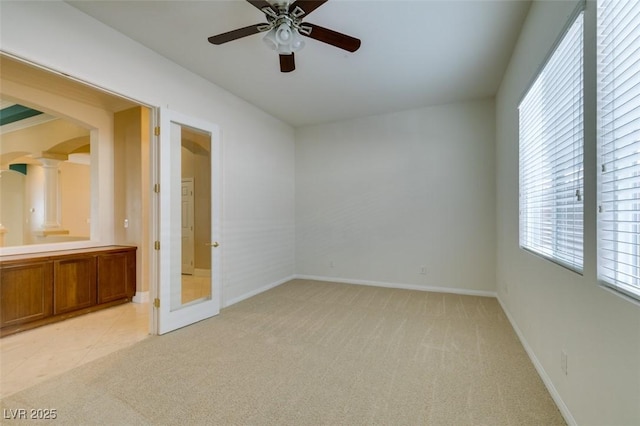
(191, 266)
(154, 191)
(167, 227)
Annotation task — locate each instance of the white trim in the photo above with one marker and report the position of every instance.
(141, 297)
(614, 289)
(257, 291)
(40, 248)
(580, 7)
(50, 69)
(452, 290)
(26, 123)
(564, 410)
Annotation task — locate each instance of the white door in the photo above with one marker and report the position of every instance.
(187, 216)
(188, 147)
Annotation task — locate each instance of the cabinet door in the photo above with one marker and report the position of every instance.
(114, 277)
(74, 284)
(25, 293)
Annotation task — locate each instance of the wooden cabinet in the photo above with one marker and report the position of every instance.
(74, 283)
(41, 288)
(116, 276)
(26, 291)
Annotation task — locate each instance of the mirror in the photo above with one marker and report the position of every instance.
(190, 231)
(86, 148)
(45, 177)
(195, 214)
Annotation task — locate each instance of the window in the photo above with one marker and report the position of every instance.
(619, 145)
(551, 155)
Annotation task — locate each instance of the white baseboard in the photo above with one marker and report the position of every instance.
(452, 290)
(262, 289)
(256, 292)
(564, 410)
(141, 297)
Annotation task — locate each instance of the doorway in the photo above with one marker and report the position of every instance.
(188, 244)
(190, 206)
(135, 190)
(100, 189)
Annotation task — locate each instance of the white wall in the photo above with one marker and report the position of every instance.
(382, 196)
(553, 308)
(258, 150)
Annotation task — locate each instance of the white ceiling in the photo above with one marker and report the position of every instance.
(414, 53)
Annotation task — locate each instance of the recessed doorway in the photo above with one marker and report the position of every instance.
(98, 191)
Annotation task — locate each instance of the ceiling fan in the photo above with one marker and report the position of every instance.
(284, 29)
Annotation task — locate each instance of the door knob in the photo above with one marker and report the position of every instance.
(213, 244)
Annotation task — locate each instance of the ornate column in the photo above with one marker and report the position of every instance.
(51, 224)
(51, 210)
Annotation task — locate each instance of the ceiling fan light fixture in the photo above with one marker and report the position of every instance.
(297, 42)
(270, 39)
(284, 30)
(284, 34)
(284, 39)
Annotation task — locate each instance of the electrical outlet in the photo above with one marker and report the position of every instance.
(564, 362)
(423, 270)
(331, 264)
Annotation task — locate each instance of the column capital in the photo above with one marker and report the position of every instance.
(50, 159)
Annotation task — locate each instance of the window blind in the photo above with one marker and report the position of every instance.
(551, 155)
(619, 145)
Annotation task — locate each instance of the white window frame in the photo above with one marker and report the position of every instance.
(619, 146)
(551, 159)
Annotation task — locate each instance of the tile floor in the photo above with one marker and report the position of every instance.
(33, 356)
(36, 355)
(195, 287)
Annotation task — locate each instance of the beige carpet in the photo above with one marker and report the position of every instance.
(308, 353)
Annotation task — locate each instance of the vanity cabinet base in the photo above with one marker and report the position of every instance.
(42, 288)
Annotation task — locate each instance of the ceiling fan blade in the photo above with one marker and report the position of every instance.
(261, 4)
(307, 6)
(325, 35)
(235, 34)
(287, 63)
